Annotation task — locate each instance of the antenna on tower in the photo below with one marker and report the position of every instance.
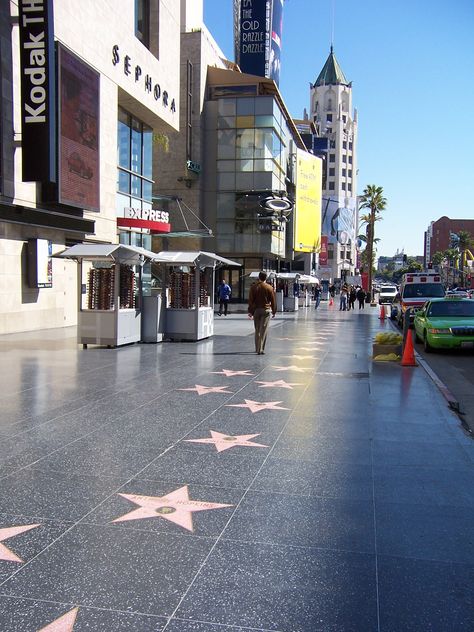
(333, 11)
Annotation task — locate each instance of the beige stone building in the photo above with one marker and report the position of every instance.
(104, 77)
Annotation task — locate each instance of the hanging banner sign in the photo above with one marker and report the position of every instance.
(38, 98)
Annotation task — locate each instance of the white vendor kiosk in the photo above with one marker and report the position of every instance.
(189, 293)
(306, 283)
(288, 282)
(109, 292)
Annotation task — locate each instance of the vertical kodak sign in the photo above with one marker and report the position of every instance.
(38, 99)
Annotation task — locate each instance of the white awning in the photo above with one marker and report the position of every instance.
(119, 253)
(288, 276)
(254, 275)
(198, 257)
(309, 279)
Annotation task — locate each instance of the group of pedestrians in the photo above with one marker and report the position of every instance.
(349, 295)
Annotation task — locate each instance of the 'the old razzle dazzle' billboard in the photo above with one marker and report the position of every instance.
(258, 31)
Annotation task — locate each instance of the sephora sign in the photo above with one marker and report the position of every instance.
(38, 112)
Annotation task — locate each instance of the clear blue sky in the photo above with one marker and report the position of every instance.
(411, 63)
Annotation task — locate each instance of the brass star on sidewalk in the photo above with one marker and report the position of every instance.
(65, 623)
(230, 373)
(10, 532)
(278, 384)
(204, 390)
(292, 367)
(175, 507)
(225, 442)
(256, 407)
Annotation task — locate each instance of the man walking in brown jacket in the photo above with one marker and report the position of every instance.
(262, 305)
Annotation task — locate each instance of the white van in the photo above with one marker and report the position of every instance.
(387, 294)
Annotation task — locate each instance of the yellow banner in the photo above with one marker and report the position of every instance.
(307, 214)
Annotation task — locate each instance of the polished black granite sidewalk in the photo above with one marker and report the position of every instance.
(198, 487)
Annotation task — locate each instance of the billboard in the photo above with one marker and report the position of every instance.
(323, 252)
(78, 133)
(307, 214)
(258, 25)
(40, 263)
(339, 220)
(38, 94)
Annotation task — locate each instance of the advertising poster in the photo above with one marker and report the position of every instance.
(78, 133)
(339, 220)
(253, 39)
(275, 46)
(307, 213)
(323, 252)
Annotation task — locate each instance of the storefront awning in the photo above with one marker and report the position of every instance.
(254, 275)
(197, 257)
(309, 279)
(288, 276)
(119, 253)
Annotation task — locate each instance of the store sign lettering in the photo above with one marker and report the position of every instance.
(150, 219)
(147, 214)
(147, 80)
(37, 90)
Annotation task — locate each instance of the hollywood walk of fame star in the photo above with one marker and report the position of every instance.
(256, 407)
(204, 390)
(175, 507)
(301, 357)
(292, 367)
(10, 532)
(278, 384)
(230, 373)
(65, 623)
(225, 442)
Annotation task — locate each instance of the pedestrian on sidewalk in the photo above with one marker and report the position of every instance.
(317, 296)
(343, 298)
(352, 297)
(262, 306)
(224, 296)
(361, 298)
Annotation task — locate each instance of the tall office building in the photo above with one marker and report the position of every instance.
(331, 111)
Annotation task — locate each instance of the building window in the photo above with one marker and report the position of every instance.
(331, 186)
(349, 187)
(332, 171)
(332, 157)
(350, 173)
(344, 172)
(328, 130)
(343, 186)
(135, 158)
(329, 118)
(350, 160)
(344, 118)
(142, 21)
(350, 146)
(344, 159)
(344, 144)
(330, 253)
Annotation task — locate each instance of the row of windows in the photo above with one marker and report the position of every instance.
(329, 118)
(345, 172)
(134, 158)
(344, 186)
(332, 158)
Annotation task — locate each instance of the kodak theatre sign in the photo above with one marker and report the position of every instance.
(38, 109)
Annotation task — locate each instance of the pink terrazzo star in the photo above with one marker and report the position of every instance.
(175, 507)
(230, 373)
(225, 442)
(65, 623)
(10, 532)
(204, 390)
(278, 384)
(291, 367)
(256, 407)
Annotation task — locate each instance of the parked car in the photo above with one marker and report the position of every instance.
(387, 294)
(446, 323)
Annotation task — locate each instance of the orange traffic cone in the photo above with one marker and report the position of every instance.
(408, 357)
(382, 312)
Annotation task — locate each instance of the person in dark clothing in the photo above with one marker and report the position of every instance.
(262, 305)
(352, 297)
(361, 298)
(224, 297)
(317, 296)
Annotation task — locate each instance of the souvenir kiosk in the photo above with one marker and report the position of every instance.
(109, 292)
(306, 289)
(288, 282)
(188, 293)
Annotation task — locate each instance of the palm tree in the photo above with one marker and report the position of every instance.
(465, 242)
(372, 199)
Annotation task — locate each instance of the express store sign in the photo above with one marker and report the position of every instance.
(151, 219)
